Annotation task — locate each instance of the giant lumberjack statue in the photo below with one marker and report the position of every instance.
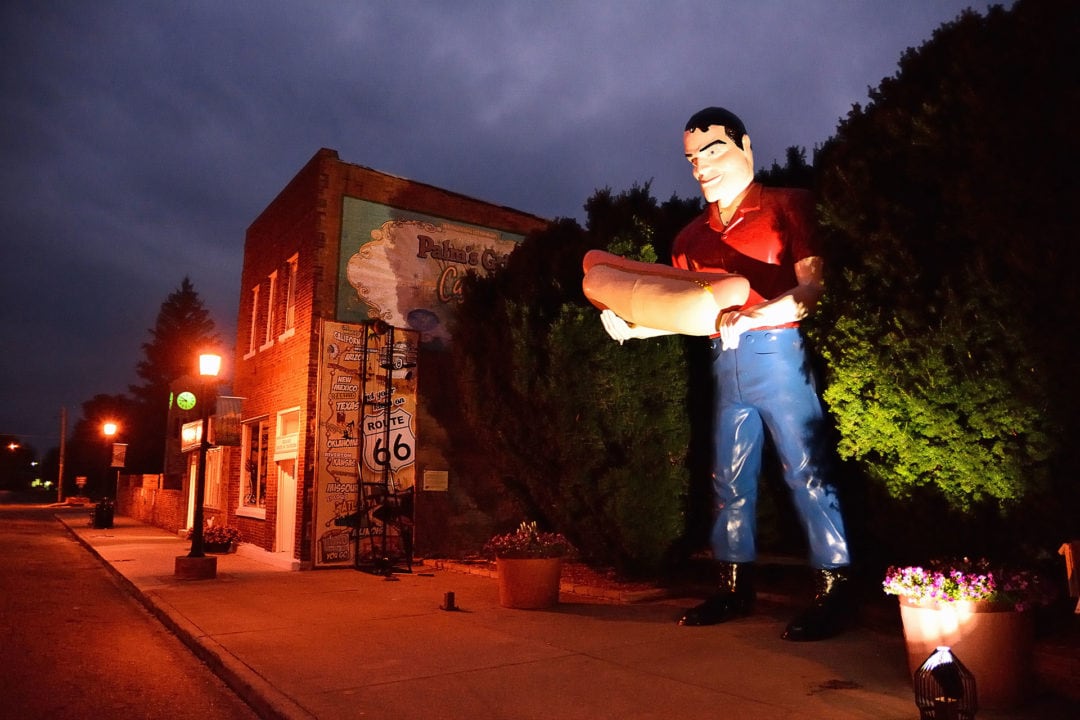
(746, 271)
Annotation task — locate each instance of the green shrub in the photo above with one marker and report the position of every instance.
(946, 328)
(591, 436)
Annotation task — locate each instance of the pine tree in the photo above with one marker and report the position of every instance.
(795, 172)
(183, 328)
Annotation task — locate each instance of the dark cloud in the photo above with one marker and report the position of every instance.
(140, 139)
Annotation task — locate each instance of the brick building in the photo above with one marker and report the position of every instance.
(341, 250)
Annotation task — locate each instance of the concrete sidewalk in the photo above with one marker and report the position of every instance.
(346, 644)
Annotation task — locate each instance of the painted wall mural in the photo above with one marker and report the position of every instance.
(404, 268)
(366, 444)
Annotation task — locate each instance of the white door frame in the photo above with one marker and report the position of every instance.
(193, 469)
(285, 532)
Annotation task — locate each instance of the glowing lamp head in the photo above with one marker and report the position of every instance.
(109, 429)
(209, 364)
(190, 434)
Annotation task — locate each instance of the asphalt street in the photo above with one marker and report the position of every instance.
(74, 643)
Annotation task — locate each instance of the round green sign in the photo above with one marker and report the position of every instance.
(185, 400)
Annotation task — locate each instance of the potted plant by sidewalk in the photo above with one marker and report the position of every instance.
(219, 538)
(529, 566)
(982, 612)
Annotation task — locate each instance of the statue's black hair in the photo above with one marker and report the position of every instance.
(733, 126)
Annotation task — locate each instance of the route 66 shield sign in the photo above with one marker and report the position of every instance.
(389, 440)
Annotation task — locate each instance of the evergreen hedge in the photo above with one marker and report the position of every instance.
(591, 436)
(948, 328)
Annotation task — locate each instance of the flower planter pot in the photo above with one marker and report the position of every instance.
(217, 547)
(529, 583)
(993, 642)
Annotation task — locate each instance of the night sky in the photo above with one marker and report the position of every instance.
(141, 138)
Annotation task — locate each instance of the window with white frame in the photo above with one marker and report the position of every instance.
(290, 298)
(256, 453)
(288, 433)
(268, 336)
(254, 321)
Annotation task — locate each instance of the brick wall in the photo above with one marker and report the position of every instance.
(141, 497)
(305, 220)
(279, 375)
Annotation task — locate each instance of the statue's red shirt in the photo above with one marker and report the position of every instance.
(772, 229)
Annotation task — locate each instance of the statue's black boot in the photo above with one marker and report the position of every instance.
(829, 612)
(734, 597)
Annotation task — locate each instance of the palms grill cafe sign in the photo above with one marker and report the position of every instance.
(406, 268)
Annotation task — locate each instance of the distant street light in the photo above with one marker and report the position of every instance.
(209, 367)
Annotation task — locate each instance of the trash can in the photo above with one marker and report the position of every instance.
(103, 514)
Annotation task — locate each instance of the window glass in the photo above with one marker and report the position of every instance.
(256, 462)
(290, 295)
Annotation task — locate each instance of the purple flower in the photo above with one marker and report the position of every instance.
(968, 581)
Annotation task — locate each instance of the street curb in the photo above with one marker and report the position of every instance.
(262, 697)
(266, 700)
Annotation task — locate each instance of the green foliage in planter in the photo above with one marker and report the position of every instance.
(948, 322)
(590, 435)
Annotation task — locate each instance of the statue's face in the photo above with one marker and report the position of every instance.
(721, 167)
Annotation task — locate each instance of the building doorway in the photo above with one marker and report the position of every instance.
(286, 507)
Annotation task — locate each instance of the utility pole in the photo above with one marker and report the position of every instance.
(63, 437)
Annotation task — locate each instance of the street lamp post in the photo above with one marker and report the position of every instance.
(60, 469)
(106, 507)
(109, 430)
(196, 565)
(209, 366)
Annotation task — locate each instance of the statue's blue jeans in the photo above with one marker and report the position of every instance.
(766, 384)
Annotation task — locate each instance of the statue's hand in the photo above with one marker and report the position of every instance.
(732, 325)
(616, 327)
